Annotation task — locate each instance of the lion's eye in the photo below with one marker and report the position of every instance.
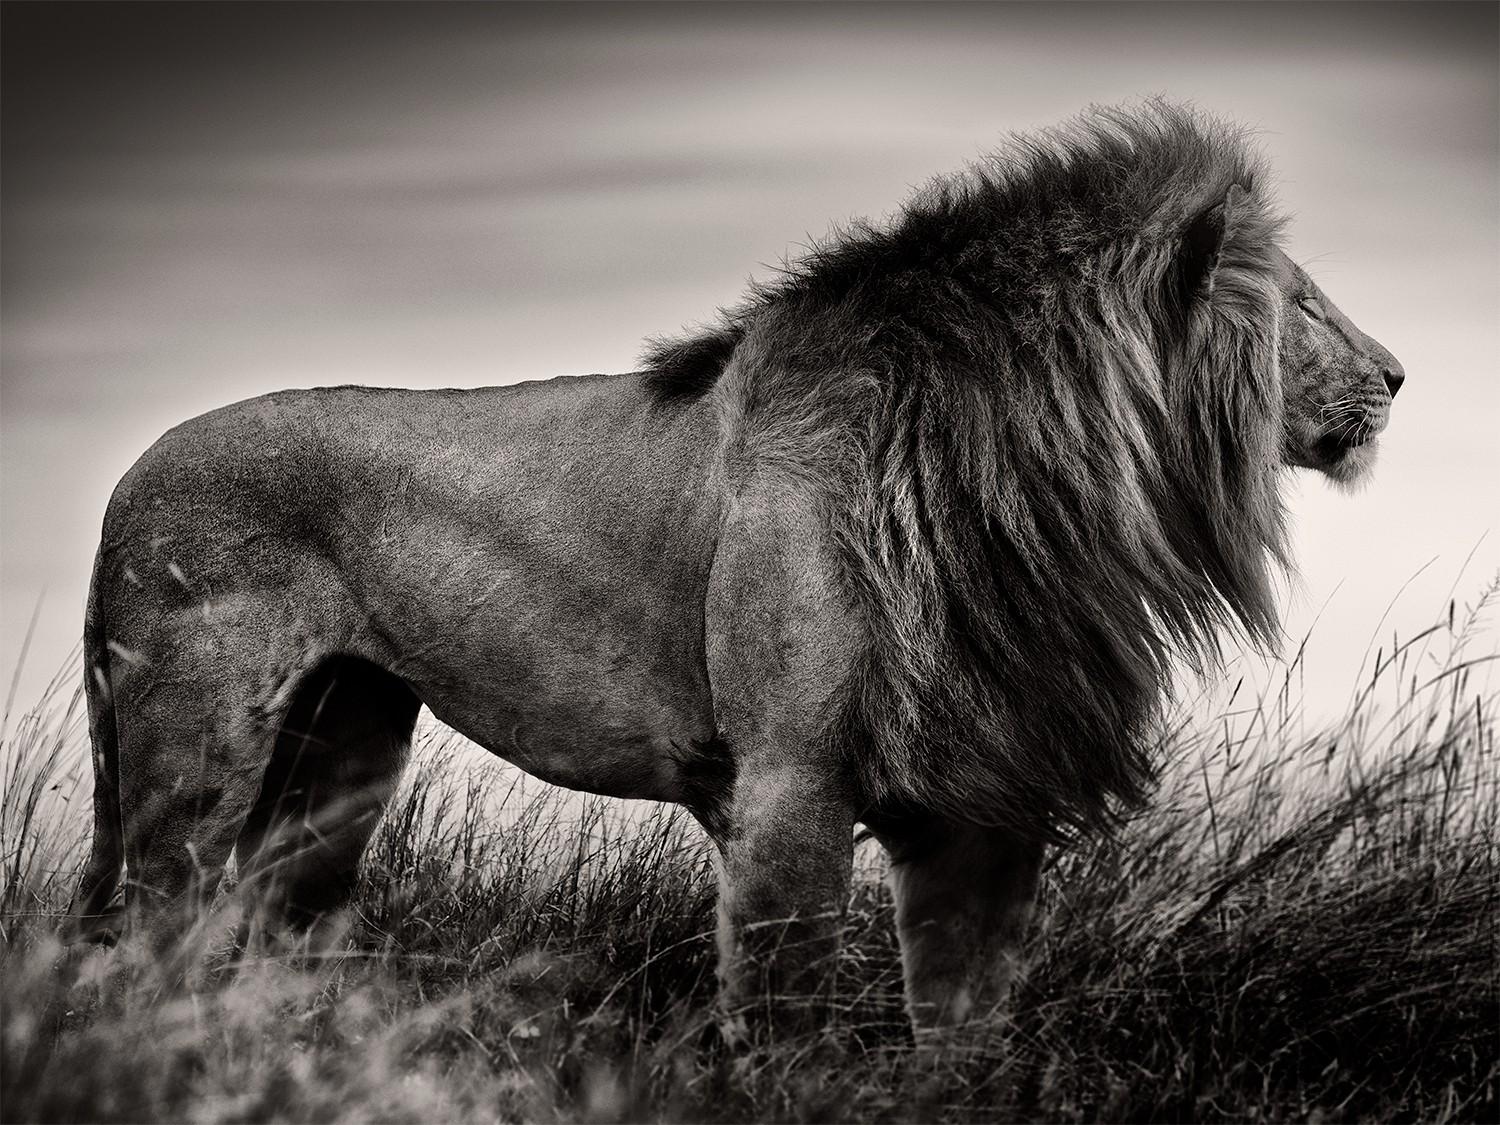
(1311, 307)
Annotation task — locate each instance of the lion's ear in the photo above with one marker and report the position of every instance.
(1203, 242)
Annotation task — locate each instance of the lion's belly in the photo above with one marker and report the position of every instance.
(551, 607)
(618, 760)
(579, 662)
(578, 658)
(582, 718)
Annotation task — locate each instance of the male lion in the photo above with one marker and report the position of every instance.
(907, 540)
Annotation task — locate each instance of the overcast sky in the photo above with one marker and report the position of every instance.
(204, 203)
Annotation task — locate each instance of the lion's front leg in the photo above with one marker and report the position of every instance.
(963, 898)
(781, 644)
(784, 875)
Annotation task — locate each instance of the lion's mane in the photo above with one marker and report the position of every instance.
(1041, 411)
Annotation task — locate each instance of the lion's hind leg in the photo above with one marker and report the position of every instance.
(192, 748)
(337, 760)
(963, 896)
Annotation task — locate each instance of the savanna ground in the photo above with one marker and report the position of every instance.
(1303, 926)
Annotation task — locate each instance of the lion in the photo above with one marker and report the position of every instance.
(909, 540)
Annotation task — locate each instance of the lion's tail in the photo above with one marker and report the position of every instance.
(101, 877)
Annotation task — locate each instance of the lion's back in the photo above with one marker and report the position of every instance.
(409, 506)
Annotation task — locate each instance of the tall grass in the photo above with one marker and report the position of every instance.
(1303, 926)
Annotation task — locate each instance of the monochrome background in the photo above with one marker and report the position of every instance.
(205, 203)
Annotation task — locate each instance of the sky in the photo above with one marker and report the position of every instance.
(203, 203)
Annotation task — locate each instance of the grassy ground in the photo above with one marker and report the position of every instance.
(1303, 926)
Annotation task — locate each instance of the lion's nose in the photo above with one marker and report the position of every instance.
(1393, 376)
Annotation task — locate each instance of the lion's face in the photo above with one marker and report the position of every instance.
(1338, 383)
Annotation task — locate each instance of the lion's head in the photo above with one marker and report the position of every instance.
(1337, 383)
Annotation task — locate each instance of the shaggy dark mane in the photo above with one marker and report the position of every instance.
(1043, 409)
(688, 366)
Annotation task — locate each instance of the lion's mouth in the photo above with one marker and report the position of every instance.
(1333, 446)
(1348, 433)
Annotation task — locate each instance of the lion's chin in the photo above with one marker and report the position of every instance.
(1350, 467)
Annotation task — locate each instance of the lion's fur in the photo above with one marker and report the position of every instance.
(1049, 467)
